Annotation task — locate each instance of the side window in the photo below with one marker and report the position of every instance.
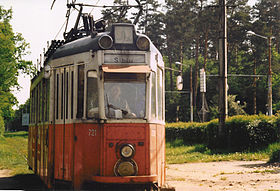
(80, 108)
(72, 94)
(45, 93)
(56, 96)
(47, 99)
(39, 101)
(92, 95)
(37, 104)
(66, 94)
(31, 106)
(62, 96)
(42, 95)
(159, 94)
(153, 96)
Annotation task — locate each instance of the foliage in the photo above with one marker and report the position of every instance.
(15, 122)
(275, 156)
(2, 126)
(12, 49)
(190, 133)
(194, 38)
(242, 132)
(274, 150)
(188, 32)
(116, 15)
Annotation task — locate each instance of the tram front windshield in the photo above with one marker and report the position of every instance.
(125, 95)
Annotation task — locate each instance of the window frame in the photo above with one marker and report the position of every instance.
(87, 93)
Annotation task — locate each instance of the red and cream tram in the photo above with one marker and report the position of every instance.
(97, 112)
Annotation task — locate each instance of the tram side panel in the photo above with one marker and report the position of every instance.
(42, 150)
(45, 153)
(87, 144)
(68, 151)
(161, 154)
(32, 147)
(157, 151)
(153, 148)
(58, 152)
(63, 151)
(50, 156)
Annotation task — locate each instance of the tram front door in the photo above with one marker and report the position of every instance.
(64, 128)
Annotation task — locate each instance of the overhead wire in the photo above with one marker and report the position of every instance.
(67, 18)
(93, 7)
(66, 21)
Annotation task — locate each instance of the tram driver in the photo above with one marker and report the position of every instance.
(117, 105)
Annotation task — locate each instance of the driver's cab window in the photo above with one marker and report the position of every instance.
(125, 95)
(92, 95)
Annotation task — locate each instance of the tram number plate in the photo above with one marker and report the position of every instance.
(92, 132)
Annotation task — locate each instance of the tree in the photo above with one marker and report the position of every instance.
(117, 14)
(151, 22)
(12, 49)
(15, 122)
(266, 22)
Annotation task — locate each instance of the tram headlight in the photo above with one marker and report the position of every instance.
(125, 168)
(127, 151)
(143, 43)
(105, 42)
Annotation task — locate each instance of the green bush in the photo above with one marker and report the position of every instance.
(2, 126)
(250, 132)
(275, 156)
(240, 132)
(190, 133)
(274, 150)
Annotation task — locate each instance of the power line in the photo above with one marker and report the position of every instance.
(236, 75)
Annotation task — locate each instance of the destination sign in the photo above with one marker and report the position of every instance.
(124, 58)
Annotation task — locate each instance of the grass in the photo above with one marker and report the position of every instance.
(177, 153)
(13, 152)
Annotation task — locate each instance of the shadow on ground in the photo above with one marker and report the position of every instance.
(22, 182)
(264, 165)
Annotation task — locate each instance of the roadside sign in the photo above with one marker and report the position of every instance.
(25, 119)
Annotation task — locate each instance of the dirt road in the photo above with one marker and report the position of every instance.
(234, 175)
(214, 176)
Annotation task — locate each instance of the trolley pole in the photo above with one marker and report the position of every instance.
(269, 95)
(223, 110)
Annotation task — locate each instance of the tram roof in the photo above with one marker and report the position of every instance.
(90, 42)
(78, 46)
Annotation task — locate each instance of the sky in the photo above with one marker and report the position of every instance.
(38, 24)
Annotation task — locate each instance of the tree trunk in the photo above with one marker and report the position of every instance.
(205, 50)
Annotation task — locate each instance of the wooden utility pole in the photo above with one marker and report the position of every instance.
(196, 69)
(223, 109)
(255, 89)
(269, 94)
